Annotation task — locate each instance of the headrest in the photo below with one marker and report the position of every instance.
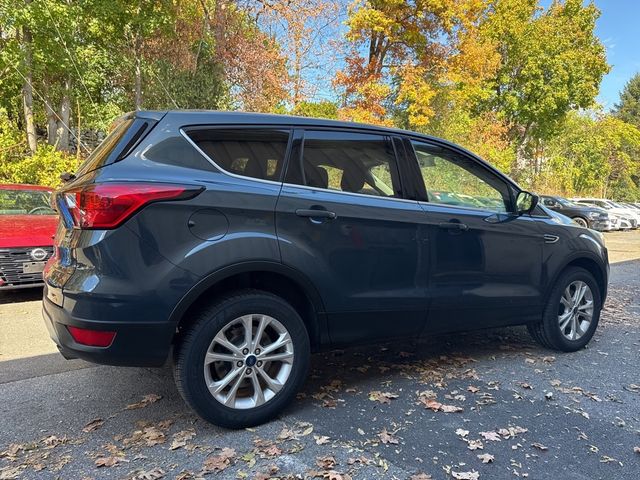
(316, 176)
(352, 180)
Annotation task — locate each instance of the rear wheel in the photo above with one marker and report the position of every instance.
(572, 312)
(243, 360)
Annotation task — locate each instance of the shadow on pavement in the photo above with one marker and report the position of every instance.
(37, 366)
(21, 295)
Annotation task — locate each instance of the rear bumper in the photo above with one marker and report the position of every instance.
(135, 344)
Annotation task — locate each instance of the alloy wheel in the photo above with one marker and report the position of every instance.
(580, 221)
(249, 361)
(575, 311)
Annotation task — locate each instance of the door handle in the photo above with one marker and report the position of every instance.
(314, 213)
(453, 226)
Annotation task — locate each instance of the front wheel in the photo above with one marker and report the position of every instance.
(581, 221)
(243, 360)
(572, 312)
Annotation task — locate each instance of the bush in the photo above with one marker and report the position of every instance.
(17, 165)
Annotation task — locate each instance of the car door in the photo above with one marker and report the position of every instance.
(485, 261)
(342, 221)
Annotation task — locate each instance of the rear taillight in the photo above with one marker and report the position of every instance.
(108, 205)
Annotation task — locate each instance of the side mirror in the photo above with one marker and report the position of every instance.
(526, 202)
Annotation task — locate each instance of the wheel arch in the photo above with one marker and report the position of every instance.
(272, 277)
(588, 263)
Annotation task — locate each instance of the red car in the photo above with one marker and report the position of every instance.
(27, 226)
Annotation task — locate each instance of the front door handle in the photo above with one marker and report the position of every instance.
(314, 213)
(453, 226)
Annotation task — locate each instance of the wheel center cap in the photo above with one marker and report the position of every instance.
(250, 361)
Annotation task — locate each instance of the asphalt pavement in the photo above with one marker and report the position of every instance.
(487, 404)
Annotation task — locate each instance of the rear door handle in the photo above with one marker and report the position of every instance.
(453, 226)
(313, 213)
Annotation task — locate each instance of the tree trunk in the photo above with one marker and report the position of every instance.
(52, 124)
(27, 90)
(65, 115)
(138, 73)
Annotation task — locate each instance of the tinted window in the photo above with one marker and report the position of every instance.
(349, 162)
(257, 153)
(455, 179)
(177, 151)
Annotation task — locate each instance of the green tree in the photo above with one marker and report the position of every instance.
(551, 62)
(628, 109)
(323, 109)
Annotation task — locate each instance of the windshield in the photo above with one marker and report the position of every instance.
(25, 202)
(566, 202)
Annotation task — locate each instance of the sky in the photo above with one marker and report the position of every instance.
(619, 30)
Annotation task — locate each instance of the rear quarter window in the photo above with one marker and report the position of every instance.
(249, 152)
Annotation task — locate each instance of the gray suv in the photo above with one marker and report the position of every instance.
(237, 244)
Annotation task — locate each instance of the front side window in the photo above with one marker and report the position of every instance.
(256, 153)
(350, 162)
(455, 179)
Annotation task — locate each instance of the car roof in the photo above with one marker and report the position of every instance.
(24, 186)
(249, 118)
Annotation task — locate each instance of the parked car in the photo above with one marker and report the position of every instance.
(627, 218)
(242, 242)
(27, 226)
(585, 216)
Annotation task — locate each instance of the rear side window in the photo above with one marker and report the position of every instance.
(255, 153)
(349, 162)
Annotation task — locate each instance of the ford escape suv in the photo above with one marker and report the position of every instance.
(238, 243)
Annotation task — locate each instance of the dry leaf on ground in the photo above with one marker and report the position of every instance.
(217, 463)
(382, 397)
(472, 475)
(94, 424)
(486, 458)
(146, 400)
(387, 437)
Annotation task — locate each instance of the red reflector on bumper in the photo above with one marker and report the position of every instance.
(91, 338)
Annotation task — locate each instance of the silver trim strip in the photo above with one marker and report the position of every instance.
(341, 192)
(548, 238)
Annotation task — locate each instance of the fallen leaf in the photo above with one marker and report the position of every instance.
(420, 476)
(491, 436)
(94, 424)
(321, 439)
(539, 446)
(107, 461)
(472, 475)
(180, 439)
(636, 449)
(450, 409)
(153, 474)
(382, 397)
(218, 463)
(146, 400)
(486, 457)
(326, 462)
(473, 389)
(387, 437)
(461, 432)
(475, 445)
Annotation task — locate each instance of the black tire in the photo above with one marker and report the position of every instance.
(583, 222)
(190, 352)
(547, 332)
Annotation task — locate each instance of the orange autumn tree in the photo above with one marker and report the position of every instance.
(406, 53)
